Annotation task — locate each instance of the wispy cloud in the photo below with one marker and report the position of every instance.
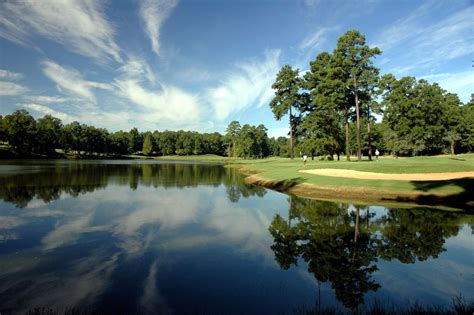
(48, 111)
(80, 26)
(151, 301)
(316, 39)
(461, 83)
(70, 80)
(250, 84)
(153, 14)
(404, 28)
(137, 68)
(45, 99)
(430, 45)
(9, 75)
(11, 89)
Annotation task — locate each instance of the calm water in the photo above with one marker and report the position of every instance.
(150, 237)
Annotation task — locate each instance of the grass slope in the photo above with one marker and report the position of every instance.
(461, 191)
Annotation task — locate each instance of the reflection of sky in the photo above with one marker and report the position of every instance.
(85, 241)
(161, 246)
(436, 280)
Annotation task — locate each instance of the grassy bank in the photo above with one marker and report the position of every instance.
(283, 175)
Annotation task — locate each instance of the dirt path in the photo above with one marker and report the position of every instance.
(371, 175)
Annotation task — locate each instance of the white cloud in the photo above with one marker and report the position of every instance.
(461, 83)
(8, 75)
(48, 111)
(71, 81)
(169, 104)
(311, 3)
(79, 26)
(11, 89)
(47, 99)
(153, 14)
(152, 300)
(10, 222)
(68, 232)
(137, 68)
(250, 84)
(167, 217)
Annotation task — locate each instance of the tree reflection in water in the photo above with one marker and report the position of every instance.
(75, 178)
(341, 243)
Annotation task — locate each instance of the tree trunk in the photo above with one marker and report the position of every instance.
(291, 137)
(370, 144)
(359, 154)
(348, 156)
(452, 147)
(356, 234)
(290, 208)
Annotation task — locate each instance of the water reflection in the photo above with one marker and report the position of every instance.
(140, 237)
(342, 244)
(105, 237)
(20, 184)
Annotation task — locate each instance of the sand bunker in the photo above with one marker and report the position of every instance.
(371, 175)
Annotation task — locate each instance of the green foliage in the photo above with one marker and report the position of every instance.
(287, 96)
(252, 142)
(466, 126)
(135, 141)
(354, 61)
(20, 130)
(279, 147)
(27, 136)
(286, 86)
(148, 144)
(231, 136)
(344, 86)
(421, 118)
(321, 131)
(247, 141)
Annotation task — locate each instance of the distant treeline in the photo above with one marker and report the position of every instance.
(332, 106)
(27, 136)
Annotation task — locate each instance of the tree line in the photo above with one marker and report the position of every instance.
(27, 136)
(331, 107)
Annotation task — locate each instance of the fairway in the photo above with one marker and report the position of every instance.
(286, 175)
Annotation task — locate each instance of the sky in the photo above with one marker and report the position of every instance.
(200, 64)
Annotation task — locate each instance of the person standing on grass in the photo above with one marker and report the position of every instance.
(305, 159)
(377, 154)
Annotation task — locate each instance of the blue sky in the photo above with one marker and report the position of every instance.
(197, 65)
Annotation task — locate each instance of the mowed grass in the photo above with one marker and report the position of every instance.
(203, 158)
(281, 169)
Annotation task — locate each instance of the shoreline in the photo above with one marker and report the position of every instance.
(350, 190)
(362, 195)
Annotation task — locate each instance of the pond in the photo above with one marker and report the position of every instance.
(186, 238)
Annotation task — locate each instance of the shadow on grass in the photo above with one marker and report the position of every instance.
(457, 159)
(463, 199)
(281, 185)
